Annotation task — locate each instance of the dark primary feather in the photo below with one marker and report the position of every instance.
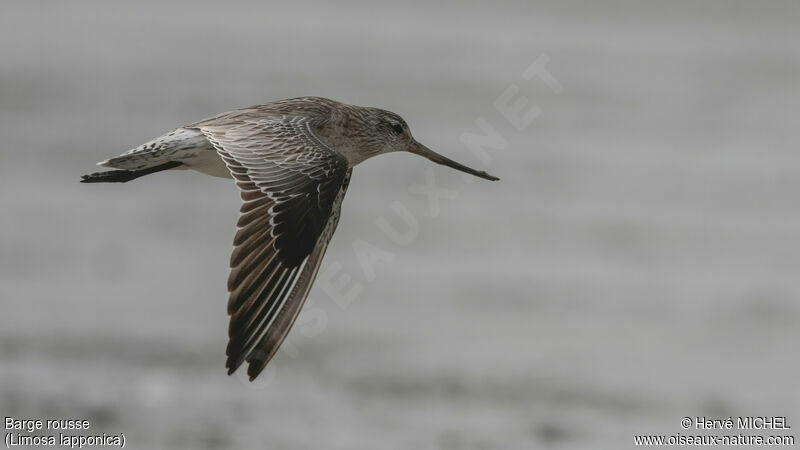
(290, 183)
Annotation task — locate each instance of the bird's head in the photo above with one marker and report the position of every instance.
(393, 135)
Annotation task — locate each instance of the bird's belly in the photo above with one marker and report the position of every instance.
(208, 162)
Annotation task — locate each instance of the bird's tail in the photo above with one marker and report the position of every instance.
(156, 155)
(122, 176)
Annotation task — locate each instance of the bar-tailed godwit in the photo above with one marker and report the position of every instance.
(292, 161)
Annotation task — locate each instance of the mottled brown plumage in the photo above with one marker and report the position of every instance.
(292, 162)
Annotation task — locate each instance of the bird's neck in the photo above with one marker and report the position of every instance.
(345, 134)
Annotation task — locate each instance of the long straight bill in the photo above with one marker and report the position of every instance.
(421, 150)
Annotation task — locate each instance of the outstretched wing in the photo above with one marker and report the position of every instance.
(291, 184)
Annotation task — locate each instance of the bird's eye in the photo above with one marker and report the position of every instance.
(398, 128)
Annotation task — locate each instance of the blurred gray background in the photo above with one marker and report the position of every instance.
(637, 263)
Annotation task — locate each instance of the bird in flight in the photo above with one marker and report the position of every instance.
(291, 161)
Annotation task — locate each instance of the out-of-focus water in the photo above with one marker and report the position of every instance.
(637, 263)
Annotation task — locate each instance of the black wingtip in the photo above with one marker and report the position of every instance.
(252, 370)
(229, 364)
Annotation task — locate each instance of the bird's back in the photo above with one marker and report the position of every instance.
(190, 146)
(313, 108)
